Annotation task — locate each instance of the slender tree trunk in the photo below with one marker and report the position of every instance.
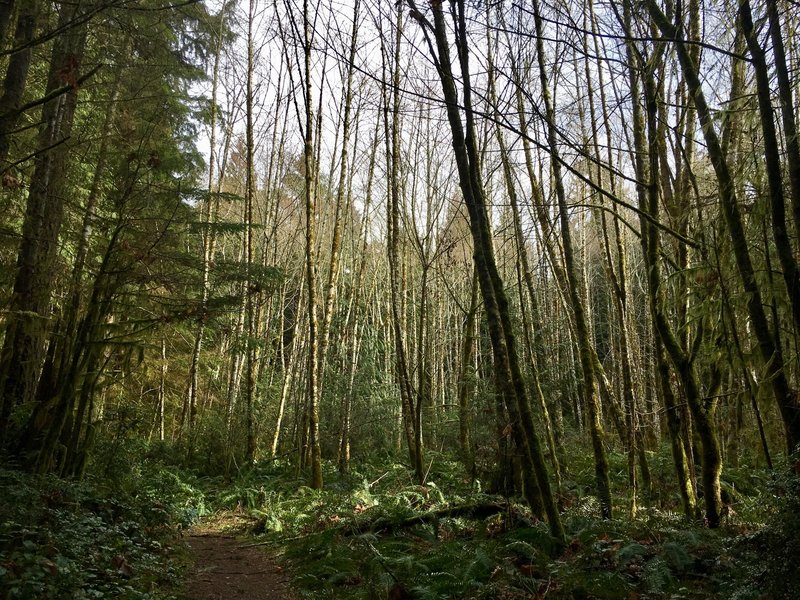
(465, 379)
(235, 364)
(508, 376)
(772, 155)
(536, 343)
(683, 469)
(162, 397)
(210, 209)
(311, 266)
(354, 312)
(702, 410)
(54, 408)
(788, 115)
(249, 253)
(392, 140)
(289, 368)
(616, 270)
(574, 287)
(650, 251)
(6, 12)
(67, 345)
(771, 354)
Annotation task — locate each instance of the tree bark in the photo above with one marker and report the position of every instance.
(771, 354)
(702, 410)
(465, 384)
(210, 210)
(772, 156)
(573, 288)
(28, 322)
(508, 376)
(16, 71)
(6, 11)
(392, 140)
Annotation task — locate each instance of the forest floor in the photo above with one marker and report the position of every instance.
(226, 566)
(163, 533)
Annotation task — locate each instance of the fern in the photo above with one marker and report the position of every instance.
(657, 576)
(676, 556)
(631, 552)
(523, 549)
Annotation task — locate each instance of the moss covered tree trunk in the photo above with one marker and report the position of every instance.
(508, 376)
(28, 324)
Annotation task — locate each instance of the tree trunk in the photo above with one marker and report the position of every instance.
(771, 354)
(465, 380)
(28, 322)
(772, 156)
(702, 410)
(788, 118)
(508, 376)
(17, 70)
(6, 12)
(311, 266)
(392, 139)
(210, 210)
(574, 287)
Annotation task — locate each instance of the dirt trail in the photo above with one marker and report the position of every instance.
(226, 568)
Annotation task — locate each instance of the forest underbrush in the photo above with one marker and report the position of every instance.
(101, 537)
(376, 533)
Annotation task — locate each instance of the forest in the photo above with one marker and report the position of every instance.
(441, 299)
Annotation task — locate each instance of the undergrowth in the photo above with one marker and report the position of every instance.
(92, 539)
(377, 534)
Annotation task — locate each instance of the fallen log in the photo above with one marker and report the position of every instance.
(385, 524)
(466, 511)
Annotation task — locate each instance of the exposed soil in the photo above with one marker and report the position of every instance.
(226, 567)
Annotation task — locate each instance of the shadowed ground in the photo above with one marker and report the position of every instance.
(226, 568)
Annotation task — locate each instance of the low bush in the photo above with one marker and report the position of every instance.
(68, 539)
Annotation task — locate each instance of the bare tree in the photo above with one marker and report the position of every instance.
(508, 376)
